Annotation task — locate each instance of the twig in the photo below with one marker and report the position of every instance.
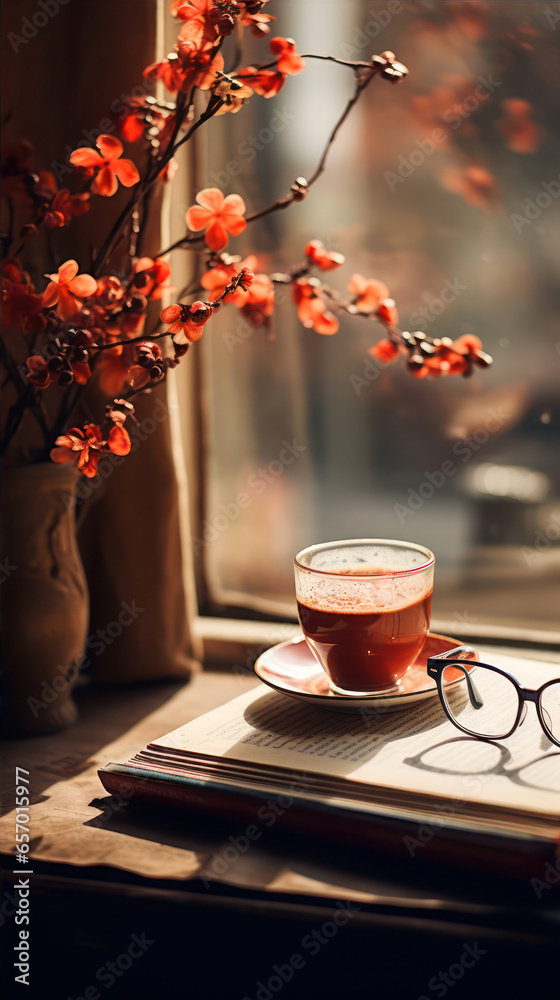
(189, 241)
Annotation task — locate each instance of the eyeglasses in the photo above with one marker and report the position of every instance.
(491, 703)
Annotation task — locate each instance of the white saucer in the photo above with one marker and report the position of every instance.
(291, 668)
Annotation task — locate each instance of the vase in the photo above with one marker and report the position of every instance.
(44, 599)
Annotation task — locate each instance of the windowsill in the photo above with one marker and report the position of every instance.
(238, 641)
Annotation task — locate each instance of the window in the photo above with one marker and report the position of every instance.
(446, 188)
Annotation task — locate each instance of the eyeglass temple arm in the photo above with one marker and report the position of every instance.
(459, 653)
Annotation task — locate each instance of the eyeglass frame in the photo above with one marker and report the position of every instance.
(436, 664)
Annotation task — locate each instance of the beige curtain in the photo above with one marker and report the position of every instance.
(63, 80)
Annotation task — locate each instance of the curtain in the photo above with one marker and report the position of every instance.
(67, 73)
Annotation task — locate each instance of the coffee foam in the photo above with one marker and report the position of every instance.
(344, 594)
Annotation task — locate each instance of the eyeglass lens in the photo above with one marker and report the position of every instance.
(486, 703)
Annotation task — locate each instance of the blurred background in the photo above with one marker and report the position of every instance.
(447, 188)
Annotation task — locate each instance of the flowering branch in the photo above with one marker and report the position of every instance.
(81, 325)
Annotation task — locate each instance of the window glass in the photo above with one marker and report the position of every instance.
(447, 188)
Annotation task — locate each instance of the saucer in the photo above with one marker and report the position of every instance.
(291, 668)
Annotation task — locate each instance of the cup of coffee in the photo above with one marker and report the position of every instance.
(364, 607)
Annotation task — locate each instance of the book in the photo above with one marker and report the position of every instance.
(408, 782)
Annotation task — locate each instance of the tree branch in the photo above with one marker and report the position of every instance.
(189, 241)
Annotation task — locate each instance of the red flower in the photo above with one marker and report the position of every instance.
(79, 446)
(451, 358)
(119, 410)
(200, 17)
(455, 357)
(384, 350)
(255, 298)
(148, 366)
(38, 372)
(386, 312)
(473, 183)
(109, 164)
(199, 68)
(187, 322)
(369, 293)
(312, 311)
(447, 361)
(67, 288)
(266, 82)
(189, 67)
(257, 302)
(42, 373)
(152, 276)
(288, 60)
(118, 441)
(21, 307)
(111, 368)
(85, 447)
(218, 216)
(258, 24)
(63, 206)
(131, 127)
(169, 71)
(522, 135)
(323, 258)
(216, 278)
(138, 116)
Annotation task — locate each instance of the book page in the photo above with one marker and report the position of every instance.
(416, 749)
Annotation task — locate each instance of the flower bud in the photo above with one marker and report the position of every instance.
(80, 354)
(300, 189)
(415, 362)
(57, 364)
(200, 312)
(136, 303)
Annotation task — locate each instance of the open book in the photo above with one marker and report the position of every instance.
(407, 781)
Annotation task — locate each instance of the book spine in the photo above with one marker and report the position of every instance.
(501, 855)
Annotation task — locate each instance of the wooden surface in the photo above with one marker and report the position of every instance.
(74, 823)
(102, 871)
